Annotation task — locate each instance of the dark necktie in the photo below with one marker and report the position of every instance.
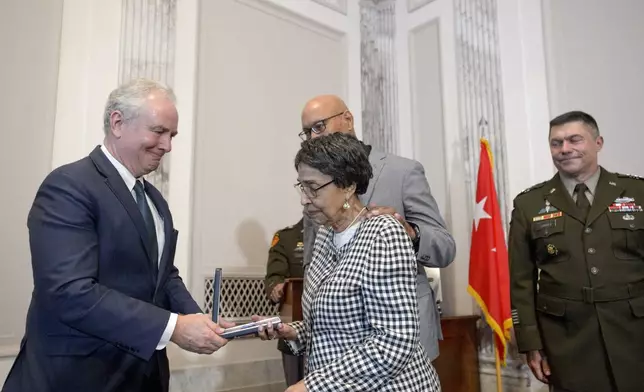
(142, 202)
(582, 201)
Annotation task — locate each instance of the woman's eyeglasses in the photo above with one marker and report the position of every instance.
(311, 193)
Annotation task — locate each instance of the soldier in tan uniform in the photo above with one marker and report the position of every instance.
(577, 268)
(285, 261)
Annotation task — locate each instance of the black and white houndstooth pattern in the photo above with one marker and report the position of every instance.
(360, 327)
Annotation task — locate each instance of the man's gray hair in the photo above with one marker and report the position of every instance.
(129, 98)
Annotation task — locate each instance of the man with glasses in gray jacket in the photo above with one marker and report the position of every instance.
(398, 188)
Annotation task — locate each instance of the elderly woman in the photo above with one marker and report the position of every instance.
(360, 330)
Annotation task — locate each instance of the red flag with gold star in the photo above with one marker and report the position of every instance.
(489, 275)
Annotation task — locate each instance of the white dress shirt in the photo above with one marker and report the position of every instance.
(130, 181)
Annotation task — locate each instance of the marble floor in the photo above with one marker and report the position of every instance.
(258, 376)
(267, 376)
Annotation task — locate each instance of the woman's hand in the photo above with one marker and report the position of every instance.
(283, 331)
(299, 387)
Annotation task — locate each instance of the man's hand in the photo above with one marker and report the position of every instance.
(277, 292)
(376, 210)
(283, 331)
(197, 333)
(539, 366)
(299, 387)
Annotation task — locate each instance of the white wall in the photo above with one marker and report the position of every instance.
(251, 90)
(29, 42)
(595, 60)
(429, 128)
(525, 97)
(427, 122)
(253, 80)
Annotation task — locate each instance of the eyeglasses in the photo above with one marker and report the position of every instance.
(317, 128)
(311, 193)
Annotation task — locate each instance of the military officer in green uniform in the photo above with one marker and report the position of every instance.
(285, 261)
(577, 268)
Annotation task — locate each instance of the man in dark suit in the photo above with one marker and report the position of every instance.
(399, 188)
(576, 249)
(107, 297)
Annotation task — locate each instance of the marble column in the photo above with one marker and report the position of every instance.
(481, 115)
(480, 97)
(147, 39)
(378, 69)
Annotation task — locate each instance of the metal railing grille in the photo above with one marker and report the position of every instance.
(241, 297)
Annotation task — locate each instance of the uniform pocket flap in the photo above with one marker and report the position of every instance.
(626, 221)
(637, 306)
(551, 306)
(546, 228)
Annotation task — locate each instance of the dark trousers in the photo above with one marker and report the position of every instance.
(293, 368)
(104, 370)
(152, 381)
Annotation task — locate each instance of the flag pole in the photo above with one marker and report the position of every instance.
(499, 387)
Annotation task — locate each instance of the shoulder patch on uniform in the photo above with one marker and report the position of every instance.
(536, 186)
(276, 239)
(633, 176)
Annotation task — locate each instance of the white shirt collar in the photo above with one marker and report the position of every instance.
(123, 171)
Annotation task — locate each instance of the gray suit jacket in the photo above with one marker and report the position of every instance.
(400, 183)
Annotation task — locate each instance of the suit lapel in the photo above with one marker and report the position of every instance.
(117, 185)
(608, 189)
(378, 161)
(164, 211)
(556, 194)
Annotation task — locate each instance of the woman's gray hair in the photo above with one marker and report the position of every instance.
(129, 98)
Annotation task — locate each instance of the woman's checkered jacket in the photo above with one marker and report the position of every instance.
(360, 329)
